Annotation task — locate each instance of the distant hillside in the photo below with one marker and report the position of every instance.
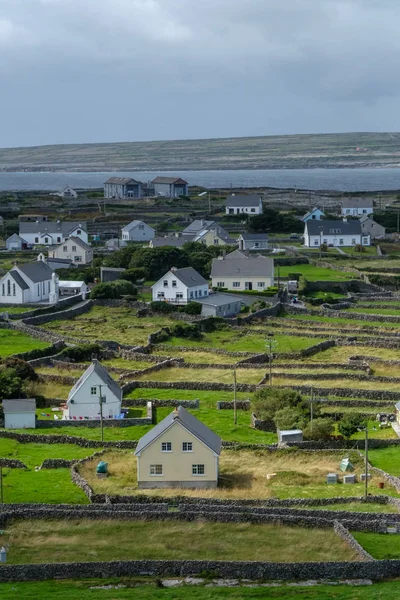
(270, 152)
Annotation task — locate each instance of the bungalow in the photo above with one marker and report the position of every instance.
(30, 282)
(137, 231)
(49, 233)
(253, 241)
(179, 452)
(180, 286)
(122, 188)
(335, 233)
(197, 226)
(239, 271)
(316, 214)
(357, 207)
(73, 249)
(95, 391)
(250, 204)
(170, 187)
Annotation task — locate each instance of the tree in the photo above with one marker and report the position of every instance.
(11, 386)
(267, 401)
(289, 418)
(22, 369)
(359, 248)
(322, 429)
(324, 247)
(350, 424)
(114, 289)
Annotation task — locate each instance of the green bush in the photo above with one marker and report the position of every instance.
(22, 369)
(322, 429)
(186, 330)
(162, 307)
(82, 352)
(192, 308)
(113, 290)
(350, 423)
(294, 276)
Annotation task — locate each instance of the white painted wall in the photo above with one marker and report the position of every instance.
(313, 241)
(244, 282)
(237, 210)
(86, 404)
(141, 233)
(23, 420)
(358, 211)
(171, 290)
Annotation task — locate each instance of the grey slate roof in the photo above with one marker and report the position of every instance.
(185, 418)
(79, 242)
(219, 299)
(97, 368)
(19, 280)
(239, 265)
(337, 227)
(43, 227)
(61, 261)
(249, 237)
(161, 179)
(15, 238)
(251, 200)
(189, 277)
(172, 240)
(36, 271)
(134, 224)
(198, 225)
(121, 180)
(358, 203)
(19, 406)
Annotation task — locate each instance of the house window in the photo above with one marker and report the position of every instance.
(156, 470)
(48, 287)
(187, 446)
(3, 289)
(160, 294)
(364, 211)
(221, 284)
(141, 226)
(340, 242)
(253, 210)
(77, 258)
(36, 240)
(325, 240)
(38, 289)
(46, 240)
(191, 294)
(353, 241)
(73, 248)
(256, 245)
(236, 284)
(216, 241)
(79, 232)
(199, 293)
(179, 295)
(166, 446)
(65, 248)
(58, 239)
(316, 242)
(197, 469)
(165, 283)
(261, 284)
(347, 211)
(365, 240)
(174, 283)
(13, 289)
(93, 390)
(8, 288)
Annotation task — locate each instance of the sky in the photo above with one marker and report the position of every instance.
(82, 71)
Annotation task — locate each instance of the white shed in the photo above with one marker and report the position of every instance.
(20, 414)
(289, 435)
(71, 288)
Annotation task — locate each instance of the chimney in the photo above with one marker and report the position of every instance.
(173, 269)
(344, 219)
(202, 222)
(175, 414)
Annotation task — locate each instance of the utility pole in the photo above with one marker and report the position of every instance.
(209, 203)
(234, 396)
(312, 410)
(1, 486)
(271, 343)
(366, 462)
(101, 402)
(279, 277)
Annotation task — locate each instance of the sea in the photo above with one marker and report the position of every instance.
(345, 180)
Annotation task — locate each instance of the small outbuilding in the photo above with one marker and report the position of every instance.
(72, 288)
(289, 435)
(220, 305)
(20, 414)
(16, 242)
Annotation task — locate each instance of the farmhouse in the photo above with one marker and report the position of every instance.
(20, 414)
(180, 286)
(122, 188)
(316, 214)
(238, 271)
(243, 203)
(253, 241)
(74, 250)
(15, 242)
(335, 233)
(93, 390)
(179, 452)
(137, 231)
(48, 233)
(372, 228)
(30, 282)
(170, 187)
(357, 207)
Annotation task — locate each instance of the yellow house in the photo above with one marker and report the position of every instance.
(179, 452)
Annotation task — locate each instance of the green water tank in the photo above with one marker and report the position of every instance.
(102, 467)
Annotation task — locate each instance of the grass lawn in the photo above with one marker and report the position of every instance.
(109, 589)
(387, 459)
(243, 474)
(88, 540)
(368, 507)
(52, 486)
(13, 309)
(15, 342)
(343, 321)
(214, 375)
(380, 545)
(376, 311)
(196, 357)
(335, 383)
(368, 250)
(313, 273)
(32, 455)
(343, 353)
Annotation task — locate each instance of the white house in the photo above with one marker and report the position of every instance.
(48, 233)
(15, 242)
(20, 414)
(180, 286)
(67, 192)
(357, 207)
(179, 452)
(335, 233)
(316, 214)
(250, 204)
(239, 271)
(170, 187)
(30, 282)
(73, 249)
(95, 386)
(253, 241)
(137, 231)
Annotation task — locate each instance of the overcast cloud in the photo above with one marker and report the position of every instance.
(126, 70)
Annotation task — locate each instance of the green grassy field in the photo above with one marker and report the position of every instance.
(387, 459)
(380, 545)
(16, 342)
(88, 540)
(376, 311)
(210, 374)
(52, 486)
(347, 322)
(314, 273)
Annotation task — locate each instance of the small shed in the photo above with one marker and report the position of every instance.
(220, 305)
(346, 466)
(20, 414)
(15, 242)
(72, 288)
(289, 435)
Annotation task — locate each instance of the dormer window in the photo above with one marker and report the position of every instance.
(79, 232)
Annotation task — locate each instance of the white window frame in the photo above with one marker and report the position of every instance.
(187, 446)
(179, 295)
(261, 284)
(174, 283)
(221, 284)
(160, 295)
(93, 390)
(236, 284)
(156, 470)
(165, 283)
(198, 467)
(166, 446)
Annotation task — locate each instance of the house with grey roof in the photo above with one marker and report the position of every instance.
(170, 187)
(94, 393)
(253, 241)
(179, 452)
(49, 233)
(122, 188)
(137, 231)
(180, 286)
(316, 214)
(220, 305)
(371, 227)
(27, 283)
(239, 271)
(175, 241)
(16, 242)
(20, 413)
(345, 232)
(197, 226)
(73, 249)
(357, 207)
(248, 204)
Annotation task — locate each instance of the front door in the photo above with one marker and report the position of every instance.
(248, 285)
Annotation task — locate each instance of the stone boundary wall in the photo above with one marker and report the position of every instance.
(62, 305)
(272, 311)
(251, 570)
(114, 303)
(263, 425)
(95, 424)
(45, 335)
(32, 438)
(391, 479)
(240, 405)
(68, 313)
(161, 403)
(12, 463)
(346, 536)
(189, 385)
(39, 353)
(197, 349)
(57, 463)
(324, 329)
(344, 392)
(361, 316)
